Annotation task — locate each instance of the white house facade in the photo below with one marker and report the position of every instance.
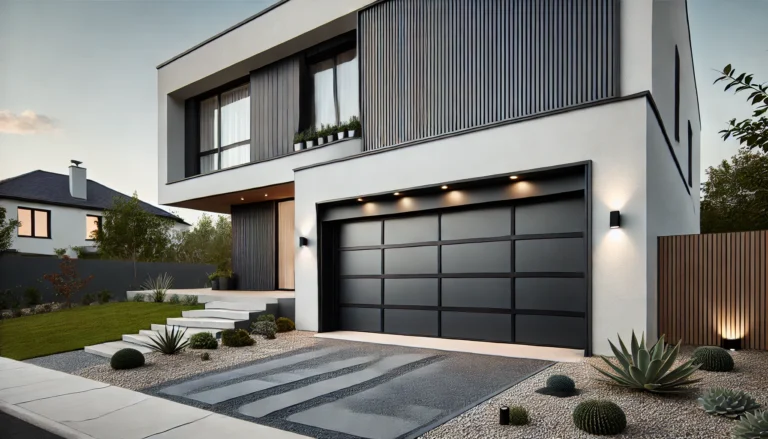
(517, 161)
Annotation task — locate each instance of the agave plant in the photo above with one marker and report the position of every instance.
(158, 286)
(168, 343)
(752, 426)
(649, 369)
(726, 402)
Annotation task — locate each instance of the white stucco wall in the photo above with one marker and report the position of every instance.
(612, 136)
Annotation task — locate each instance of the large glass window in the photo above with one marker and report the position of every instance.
(35, 223)
(92, 226)
(335, 83)
(225, 129)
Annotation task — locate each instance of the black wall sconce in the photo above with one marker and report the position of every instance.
(303, 242)
(732, 344)
(504, 415)
(615, 219)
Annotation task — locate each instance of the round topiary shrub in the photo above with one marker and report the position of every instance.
(599, 417)
(713, 359)
(266, 328)
(203, 340)
(518, 415)
(236, 338)
(561, 383)
(285, 324)
(127, 359)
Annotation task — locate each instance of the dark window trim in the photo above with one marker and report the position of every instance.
(331, 53)
(32, 216)
(504, 238)
(100, 220)
(677, 94)
(690, 155)
(217, 92)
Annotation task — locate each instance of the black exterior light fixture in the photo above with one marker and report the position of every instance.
(504, 415)
(303, 242)
(732, 344)
(615, 219)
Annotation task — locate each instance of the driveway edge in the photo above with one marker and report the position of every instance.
(42, 422)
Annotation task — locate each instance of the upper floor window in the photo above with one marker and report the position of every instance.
(35, 223)
(225, 129)
(335, 84)
(92, 226)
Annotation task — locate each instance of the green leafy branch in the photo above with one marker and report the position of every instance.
(752, 133)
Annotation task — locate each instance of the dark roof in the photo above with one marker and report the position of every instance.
(50, 188)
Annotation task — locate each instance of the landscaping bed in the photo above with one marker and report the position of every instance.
(160, 368)
(648, 415)
(71, 329)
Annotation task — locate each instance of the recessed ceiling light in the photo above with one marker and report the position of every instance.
(445, 187)
(265, 195)
(242, 199)
(359, 199)
(397, 193)
(514, 177)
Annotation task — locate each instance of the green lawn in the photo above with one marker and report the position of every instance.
(72, 329)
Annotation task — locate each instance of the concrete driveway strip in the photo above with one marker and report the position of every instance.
(75, 407)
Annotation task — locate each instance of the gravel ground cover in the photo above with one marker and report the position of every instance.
(160, 368)
(69, 362)
(648, 415)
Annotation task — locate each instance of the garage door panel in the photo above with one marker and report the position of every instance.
(550, 255)
(410, 260)
(409, 230)
(411, 292)
(479, 257)
(360, 291)
(476, 223)
(477, 326)
(360, 262)
(410, 322)
(557, 216)
(550, 330)
(360, 234)
(477, 293)
(562, 294)
(360, 319)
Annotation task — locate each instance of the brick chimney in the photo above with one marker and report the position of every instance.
(78, 186)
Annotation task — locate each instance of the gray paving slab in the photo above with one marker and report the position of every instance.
(82, 406)
(211, 380)
(338, 417)
(274, 403)
(218, 426)
(221, 394)
(16, 377)
(48, 388)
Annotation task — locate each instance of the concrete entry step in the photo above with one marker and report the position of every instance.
(208, 322)
(190, 330)
(107, 350)
(220, 314)
(253, 306)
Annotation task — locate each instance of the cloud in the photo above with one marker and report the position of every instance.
(28, 122)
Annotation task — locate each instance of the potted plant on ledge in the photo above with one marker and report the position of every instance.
(225, 280)
(354, 129)
(310, 137)
(321, 133)
(298, 141)
(214, 279)
(331, 134)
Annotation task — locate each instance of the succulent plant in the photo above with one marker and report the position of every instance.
(168, 343)
(561, 383)
(713, 358)
(600, 417)
(752, 426)
(726, 402)
(650, 369)
(518, 415)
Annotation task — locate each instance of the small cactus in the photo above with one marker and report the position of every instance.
(713, 359)
(599, 417)
(561, 383)
(518, 415)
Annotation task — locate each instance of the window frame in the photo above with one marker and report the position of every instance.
(32, 220)
(677, 94)
(325, 55)
(690, 155)
(99, 219)
(217, 92)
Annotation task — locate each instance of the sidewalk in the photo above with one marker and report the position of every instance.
(73, 407)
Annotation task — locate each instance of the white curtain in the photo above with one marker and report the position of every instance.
(209, 163)
(209, 133)
(235, 116)
(324, 111)
(347, 85)
(236, 156)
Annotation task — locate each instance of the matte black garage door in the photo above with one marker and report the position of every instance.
(512, 272)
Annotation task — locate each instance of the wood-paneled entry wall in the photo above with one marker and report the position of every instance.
(712, 287)
(285, 245)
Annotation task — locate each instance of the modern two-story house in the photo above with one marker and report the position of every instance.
(517, 161)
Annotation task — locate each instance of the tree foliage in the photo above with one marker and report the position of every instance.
(735, 195)
(751, 133)
(7, 229)
(207, 243)
(68, 282)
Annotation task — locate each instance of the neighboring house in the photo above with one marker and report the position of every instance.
(59, 211)
(498, 138)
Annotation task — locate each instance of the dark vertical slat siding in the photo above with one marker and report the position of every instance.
(713, 286)
(275, 108)
(435, 67)
(253, 246)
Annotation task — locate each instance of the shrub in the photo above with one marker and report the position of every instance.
(205, 356)
(16, 312)
(87, 299)
(203, 340)
(266, 318)
(32, 297)
(713, 358)
(139, 297)
(728, 403)
(649, 369)
(169, 343)
(60, 252)
(68, 282)
(265, 328)
(127, 359)
(599, 417)
(175, 299)
(190, 300)
(105, 296)
(284, 324)
(752, 426)
(158, 286)
(9, 300)
(518, 415)
(561, 383)
(236, 338)
(44, 308)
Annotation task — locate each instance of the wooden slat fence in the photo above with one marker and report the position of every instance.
(712, 287)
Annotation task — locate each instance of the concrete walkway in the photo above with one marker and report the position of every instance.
(73, 407)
